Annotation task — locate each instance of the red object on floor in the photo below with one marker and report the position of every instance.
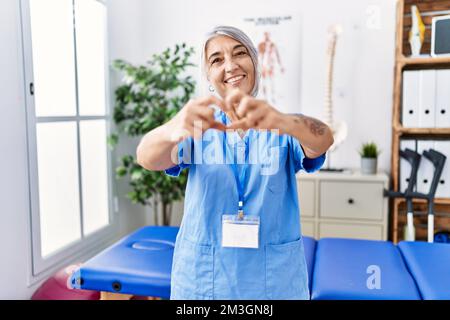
(57, 287)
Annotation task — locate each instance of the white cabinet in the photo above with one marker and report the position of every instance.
(351, 230)
(307, 197)
(344, 205)
(308, 228)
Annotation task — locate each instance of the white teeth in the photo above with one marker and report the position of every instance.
(234, 79)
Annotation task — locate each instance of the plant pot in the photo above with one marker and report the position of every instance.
(368, 165)
(161, 218)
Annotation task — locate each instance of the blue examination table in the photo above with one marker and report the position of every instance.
(140, 264)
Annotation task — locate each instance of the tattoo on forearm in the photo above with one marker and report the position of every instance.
(315, 126)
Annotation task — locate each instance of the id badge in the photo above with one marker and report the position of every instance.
(240, 232)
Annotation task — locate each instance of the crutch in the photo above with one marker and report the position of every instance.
(414, 159)
(438, 160)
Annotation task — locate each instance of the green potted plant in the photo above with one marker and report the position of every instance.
(369, 155)
(150, 95)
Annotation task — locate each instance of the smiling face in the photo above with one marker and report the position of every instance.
(228, 65)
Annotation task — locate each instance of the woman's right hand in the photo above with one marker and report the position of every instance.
(195, 118)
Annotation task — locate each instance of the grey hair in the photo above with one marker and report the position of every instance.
(241, 37)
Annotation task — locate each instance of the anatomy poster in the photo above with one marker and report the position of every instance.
(278, 41)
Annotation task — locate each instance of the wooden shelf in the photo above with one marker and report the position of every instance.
(424, 132)
(424, 62)
(437, 201)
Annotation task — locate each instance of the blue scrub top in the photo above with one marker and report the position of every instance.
(202, 268)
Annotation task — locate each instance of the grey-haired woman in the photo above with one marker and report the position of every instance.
(240, 237)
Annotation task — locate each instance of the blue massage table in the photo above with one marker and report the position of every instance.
(429, 264)
(341, 266)
(140, 264)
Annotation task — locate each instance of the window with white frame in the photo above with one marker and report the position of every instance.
(66, 69)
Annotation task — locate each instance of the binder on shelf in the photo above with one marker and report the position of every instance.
(405, 166)
(443, 189)
(427, 98)
(442, 114)
(426, 168)
(411, 99)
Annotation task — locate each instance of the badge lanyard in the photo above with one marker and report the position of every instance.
(240, 179)
(240, 231)
(240, 182)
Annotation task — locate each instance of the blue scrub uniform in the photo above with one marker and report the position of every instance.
(202, 268)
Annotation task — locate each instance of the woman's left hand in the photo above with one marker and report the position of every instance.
(252, 113)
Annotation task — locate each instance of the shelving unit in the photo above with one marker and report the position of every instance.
(424, 62)
(428, 9)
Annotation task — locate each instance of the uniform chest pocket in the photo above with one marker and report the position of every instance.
(286, 271)
(274, 168)
(192, 271)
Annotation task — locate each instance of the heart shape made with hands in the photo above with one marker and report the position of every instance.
(235, 118)
(245, 111)
(231, 112)
(231, 103)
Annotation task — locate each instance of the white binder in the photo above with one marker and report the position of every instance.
(442, 114)
(410, 98)
(426, 168)
(405, 166)
(427, 99)
(443, 189)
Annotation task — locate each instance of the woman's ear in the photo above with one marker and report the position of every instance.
(207, 73)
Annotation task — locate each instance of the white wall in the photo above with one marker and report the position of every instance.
(125, 37)
(128, 38)
(364, 69)
(363, 66)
